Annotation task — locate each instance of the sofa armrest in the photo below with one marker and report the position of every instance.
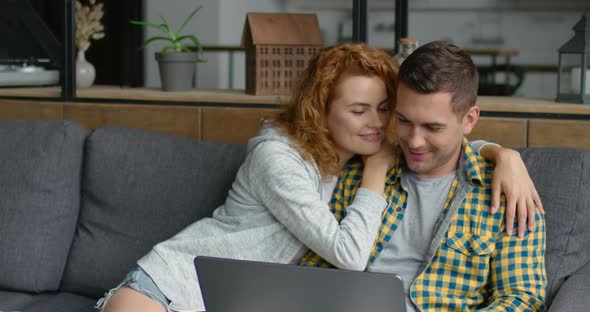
(573, 294)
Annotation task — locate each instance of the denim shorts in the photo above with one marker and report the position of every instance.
(138, 280)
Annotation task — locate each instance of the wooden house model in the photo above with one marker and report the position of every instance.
(278, 47)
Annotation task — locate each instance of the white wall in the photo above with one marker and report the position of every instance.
(219, 22)
(536, 35)
(535, 28)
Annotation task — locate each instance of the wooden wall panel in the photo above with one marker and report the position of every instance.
(559, 133)
(508, 132)
(30, 110)
(177, 120)
(235, 125)
(232, 124)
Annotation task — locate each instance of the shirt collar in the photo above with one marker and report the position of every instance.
(469, 164)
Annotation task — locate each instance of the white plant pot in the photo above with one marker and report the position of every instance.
(85, 72)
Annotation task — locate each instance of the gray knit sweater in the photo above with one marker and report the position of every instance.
(273, 211)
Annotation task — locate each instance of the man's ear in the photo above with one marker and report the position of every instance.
(470, 119)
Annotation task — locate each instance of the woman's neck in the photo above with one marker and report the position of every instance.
(344, 158)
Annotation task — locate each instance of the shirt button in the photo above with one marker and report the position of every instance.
(537, 277)
(398, 209)
(379, 245)
(470, 249)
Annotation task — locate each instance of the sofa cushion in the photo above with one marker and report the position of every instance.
(39, 201)
(63, 302)
(573, 295)
(562, 178)
(18, 301)
(140, 188)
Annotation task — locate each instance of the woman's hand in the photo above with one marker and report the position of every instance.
(512, 179)
(376, 168)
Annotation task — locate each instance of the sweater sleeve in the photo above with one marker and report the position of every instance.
(281, 180)
(477, 145)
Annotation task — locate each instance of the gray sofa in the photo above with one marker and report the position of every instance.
(77, 210)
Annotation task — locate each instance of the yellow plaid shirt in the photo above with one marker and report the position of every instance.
(472, 263)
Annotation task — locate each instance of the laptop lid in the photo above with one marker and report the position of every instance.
(235, 285)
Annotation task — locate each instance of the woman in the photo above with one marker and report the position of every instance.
(277, 208)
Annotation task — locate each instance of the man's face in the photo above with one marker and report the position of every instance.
(429, 132)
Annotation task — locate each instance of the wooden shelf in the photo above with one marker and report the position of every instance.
(233, 116)
(218, 97)
(197, 95)
(40, 92)
(505, 104)
(492, 52)
(119, 94)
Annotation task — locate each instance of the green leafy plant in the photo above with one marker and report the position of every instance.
(175, 38)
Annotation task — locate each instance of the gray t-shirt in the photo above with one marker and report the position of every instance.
(405, 251)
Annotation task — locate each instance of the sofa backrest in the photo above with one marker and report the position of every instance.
(140, 188)
(562, 178)
(40, 170)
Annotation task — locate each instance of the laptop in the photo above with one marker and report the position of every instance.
(246, 286)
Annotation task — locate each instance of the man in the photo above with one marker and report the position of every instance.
(437, 232)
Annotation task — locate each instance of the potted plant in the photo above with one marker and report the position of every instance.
(88, 27)
(175, 61)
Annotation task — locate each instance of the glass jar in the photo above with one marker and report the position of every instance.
(406, 47)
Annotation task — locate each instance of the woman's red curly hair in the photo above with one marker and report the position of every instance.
(304, 119)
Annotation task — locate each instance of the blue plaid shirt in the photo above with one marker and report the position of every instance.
(472, 264)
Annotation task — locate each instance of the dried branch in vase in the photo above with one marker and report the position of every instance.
(88, 25)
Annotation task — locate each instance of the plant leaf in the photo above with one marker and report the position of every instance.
(195, 41)
(187, 20)
(166, 49)
(155, 38)
(166, 28)
(140, 23)
(164, 21)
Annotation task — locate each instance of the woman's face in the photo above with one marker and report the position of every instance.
(358, 115)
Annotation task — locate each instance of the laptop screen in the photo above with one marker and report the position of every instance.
(236, 285)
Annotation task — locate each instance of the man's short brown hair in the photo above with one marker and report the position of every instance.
(442, 67)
